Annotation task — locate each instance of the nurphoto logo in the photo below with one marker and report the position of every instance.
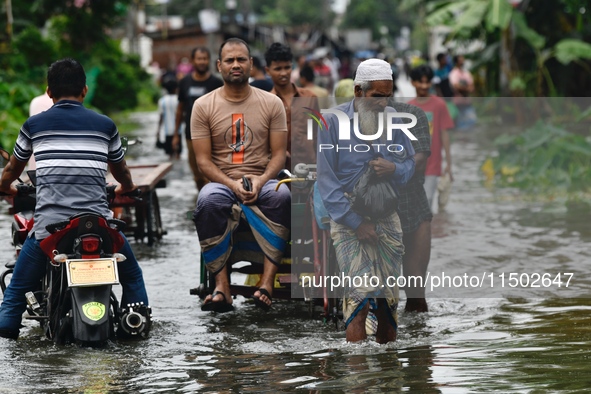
(392, 123)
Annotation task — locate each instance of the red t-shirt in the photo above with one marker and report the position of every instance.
(439, 119)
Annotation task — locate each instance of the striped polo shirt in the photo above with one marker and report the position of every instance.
(72, 146)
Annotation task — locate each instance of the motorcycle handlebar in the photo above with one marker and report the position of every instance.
(134, 194)
(24, 190)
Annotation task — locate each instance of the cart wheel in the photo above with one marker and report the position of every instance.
(153, 219)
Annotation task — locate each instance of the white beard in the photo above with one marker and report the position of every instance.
(368, 121)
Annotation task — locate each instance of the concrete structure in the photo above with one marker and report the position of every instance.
(168, 51)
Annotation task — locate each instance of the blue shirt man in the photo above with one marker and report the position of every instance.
(365, 247)
(341, 169)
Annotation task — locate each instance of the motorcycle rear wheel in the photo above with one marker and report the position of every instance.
(58, 326)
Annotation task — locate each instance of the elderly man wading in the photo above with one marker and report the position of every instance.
(367, 245)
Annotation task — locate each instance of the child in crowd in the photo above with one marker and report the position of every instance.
(167, 106)
(439, 123)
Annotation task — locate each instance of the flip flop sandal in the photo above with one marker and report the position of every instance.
(217, 306)
(261, 304)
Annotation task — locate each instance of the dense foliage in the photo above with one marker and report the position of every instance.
(382, 17)
(47, 30)
(14, 101)
(543, 159)
(534, 48)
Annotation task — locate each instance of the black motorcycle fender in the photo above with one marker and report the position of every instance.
(90, 313)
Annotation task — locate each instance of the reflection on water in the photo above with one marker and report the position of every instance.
(464, 344)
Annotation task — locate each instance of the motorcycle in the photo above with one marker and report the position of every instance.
(74, 302)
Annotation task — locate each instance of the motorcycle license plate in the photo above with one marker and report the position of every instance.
(92, 272)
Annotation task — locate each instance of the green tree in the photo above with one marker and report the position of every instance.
(362, 14)
(87, 19)
(385, 18)
(315, 13)
(530, 44)
(43, 31)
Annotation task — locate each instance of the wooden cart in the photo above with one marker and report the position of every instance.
(143, 216)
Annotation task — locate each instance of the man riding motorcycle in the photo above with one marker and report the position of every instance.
(73, 147)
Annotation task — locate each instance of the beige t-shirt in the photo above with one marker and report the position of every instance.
(239, 131)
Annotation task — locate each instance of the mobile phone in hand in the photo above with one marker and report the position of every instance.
(246, 184)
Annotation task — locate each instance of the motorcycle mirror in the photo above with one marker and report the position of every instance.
(124, 144)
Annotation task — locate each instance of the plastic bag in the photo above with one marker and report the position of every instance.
(373, 197)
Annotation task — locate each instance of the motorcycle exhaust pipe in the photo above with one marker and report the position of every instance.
(136, 323)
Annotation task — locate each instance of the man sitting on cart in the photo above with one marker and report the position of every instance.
(370, 248)
(240, 137)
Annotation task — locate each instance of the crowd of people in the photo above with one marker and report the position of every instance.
(240, 129)
(304, 81)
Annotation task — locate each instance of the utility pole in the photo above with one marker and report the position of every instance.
(211, 42)
(231, 12)
(164, 19)
(248, 19)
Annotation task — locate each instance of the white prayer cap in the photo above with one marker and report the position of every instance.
(373, 70)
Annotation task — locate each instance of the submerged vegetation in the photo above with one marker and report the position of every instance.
(544, 160)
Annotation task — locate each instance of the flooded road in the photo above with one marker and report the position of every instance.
(531, 340)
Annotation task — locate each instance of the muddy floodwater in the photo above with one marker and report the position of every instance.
(532, 340)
